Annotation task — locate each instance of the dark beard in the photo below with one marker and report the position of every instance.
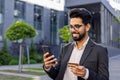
(81, 36)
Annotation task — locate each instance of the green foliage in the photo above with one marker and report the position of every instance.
(24, 59)
(118, 39)
(32, 61)
(64, 33)
(34, 55)
(5, 55)
(13, 62)
(20, 30)
(5, 46)
(37, 57)
(116, 19)
(33, 47)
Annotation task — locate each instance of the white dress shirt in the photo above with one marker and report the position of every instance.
(75, 58)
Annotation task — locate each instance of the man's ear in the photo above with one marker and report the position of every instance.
(88, 26)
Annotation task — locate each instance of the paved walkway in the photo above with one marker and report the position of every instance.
(114, 68)
(21, 74)
(16, 67)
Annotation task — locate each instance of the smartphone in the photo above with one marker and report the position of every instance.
(46, 48)
(70, 64)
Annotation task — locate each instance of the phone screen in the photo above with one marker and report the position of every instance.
(45, 49)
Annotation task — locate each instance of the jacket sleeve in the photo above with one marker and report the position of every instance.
(102, 73)
(53, 72)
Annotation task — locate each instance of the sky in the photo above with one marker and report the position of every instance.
(115, 4)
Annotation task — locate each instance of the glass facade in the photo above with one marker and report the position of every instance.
(38, 17)
(53, 26)
(1, 17)
(110, 28)
(19, 10)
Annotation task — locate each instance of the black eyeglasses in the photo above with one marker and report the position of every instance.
(77, 26)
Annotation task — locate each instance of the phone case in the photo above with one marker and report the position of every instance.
(46, 48)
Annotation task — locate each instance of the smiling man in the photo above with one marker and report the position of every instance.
(82, 59)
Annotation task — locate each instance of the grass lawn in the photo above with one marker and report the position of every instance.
(6, 77)
(31, 71)
(41, 69)
(38, 73)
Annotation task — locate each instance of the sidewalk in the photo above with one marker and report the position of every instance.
(114, 69)
(26, 75)
(16, 67)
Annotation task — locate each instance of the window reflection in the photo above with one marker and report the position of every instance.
(1, 17)
(38, 17)
(19, 9)
(53, 26)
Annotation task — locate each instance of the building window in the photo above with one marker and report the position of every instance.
(19, 10)
(1, 17)
(53, 26)
(38, 17)
(65, 18)
(1, 6)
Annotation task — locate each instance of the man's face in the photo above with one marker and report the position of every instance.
(77, 29)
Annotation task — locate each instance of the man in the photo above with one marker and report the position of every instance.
(82, 59)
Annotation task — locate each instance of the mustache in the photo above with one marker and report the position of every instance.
(75, 33)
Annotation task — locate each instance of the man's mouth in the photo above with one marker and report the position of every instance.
(75, 33)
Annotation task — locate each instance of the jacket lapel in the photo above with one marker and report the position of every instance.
(86, 52)
(69, 51)
(64, 61)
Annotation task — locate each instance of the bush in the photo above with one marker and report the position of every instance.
(37, 57)
(24, 60)
(5, 55)
(64, 33)
(32, 61)
(13, 62)
(5, 58)
(34, 55)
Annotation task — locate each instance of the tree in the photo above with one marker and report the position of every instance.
(19, 31)
(64, 33)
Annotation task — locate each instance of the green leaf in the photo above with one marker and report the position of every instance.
(64, 33)
(20, 30)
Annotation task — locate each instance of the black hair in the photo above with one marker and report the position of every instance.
(82, 13)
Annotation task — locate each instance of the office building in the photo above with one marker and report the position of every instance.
(105, 27)
(44, 17)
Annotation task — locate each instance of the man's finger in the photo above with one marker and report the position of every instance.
(51, 61)
(45, 54)
(49, 58)
(80, 67)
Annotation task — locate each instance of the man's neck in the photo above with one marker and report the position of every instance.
(80, 43)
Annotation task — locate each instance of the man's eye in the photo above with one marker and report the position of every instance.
(71, 26)
(78, 26)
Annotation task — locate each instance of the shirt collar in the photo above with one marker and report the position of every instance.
(84, 44)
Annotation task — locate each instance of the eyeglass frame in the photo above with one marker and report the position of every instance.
(76, 26)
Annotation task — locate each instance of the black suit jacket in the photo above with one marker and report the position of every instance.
(94, 57)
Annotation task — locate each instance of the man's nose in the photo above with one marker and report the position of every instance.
(73, 28)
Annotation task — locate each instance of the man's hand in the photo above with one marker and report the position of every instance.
(49, 61)
(78, 70)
